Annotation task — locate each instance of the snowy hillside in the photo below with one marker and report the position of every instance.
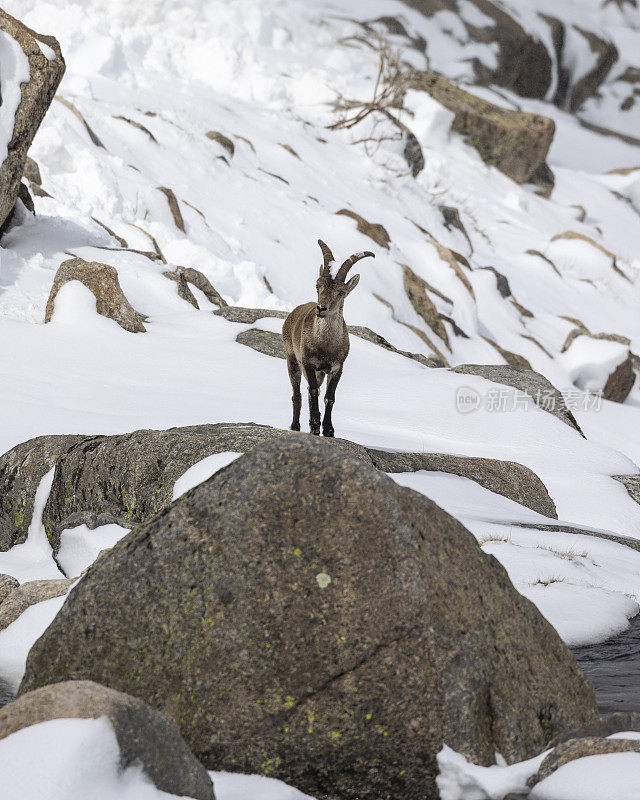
(198, 135)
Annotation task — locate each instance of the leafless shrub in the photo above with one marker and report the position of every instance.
(380, 110)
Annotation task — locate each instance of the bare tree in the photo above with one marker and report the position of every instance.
(383, 107)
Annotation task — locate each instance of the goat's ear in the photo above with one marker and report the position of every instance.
(351, 284)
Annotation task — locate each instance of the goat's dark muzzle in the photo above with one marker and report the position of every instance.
(320, 311)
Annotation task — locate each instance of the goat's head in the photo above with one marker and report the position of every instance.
(332, 285)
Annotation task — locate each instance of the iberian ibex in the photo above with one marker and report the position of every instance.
(316, 340)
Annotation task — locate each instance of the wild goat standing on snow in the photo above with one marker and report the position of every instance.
(316, 340)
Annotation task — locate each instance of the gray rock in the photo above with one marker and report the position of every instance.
(620, 383)
(36, 98)
(512, 359)
(573, 749)
(28, 594)
(21, 470)
(416, 290)
(270, 343)
(248, 316)
(32, 172)
(632, 484)
(7, 584)
(302, 616)
(102, 281)
(174, 207)
(618, 722)
(128, 478)
(145, 736)
(523, 63)
(626, 541)
(368, 335)
(515, 142)
(200, 281)
(374, 230)
(266, 342)
(184, 292)
(507, 478)
(222, 140)
(543, 393)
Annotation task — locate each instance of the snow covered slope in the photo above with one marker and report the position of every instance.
(145, 84)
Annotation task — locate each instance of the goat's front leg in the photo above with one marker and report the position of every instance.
(294, 377)
(329, 399)
(314, 411)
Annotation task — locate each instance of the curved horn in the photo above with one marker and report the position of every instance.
(346, 266)
(328, 257)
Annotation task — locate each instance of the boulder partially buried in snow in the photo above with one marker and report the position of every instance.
(102, 281)
(126, 479)
(145, 737)
(28, 594)
(21, 470)
(573, 749)
(515, 142)
(31, 68)
(301, 615)
(600, 365)
(543, 393)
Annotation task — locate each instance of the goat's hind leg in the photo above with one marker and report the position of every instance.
(294, 377)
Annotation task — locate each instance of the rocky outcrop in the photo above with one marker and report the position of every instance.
(543, 393)
(40, 59)
(222, 140)
(581, 748)
(184, 292)
(200, 281)
(126, 479)
(247, 316)
(523, 63)
(145, 737)
(174, 207)
(507, 478)
(334, 644)
(21, 470)
(618, 722)
(267, 342)
(28, 594)
(7, 584)
(270, 343)
(620, 383)
(129, 478)
(373, 230)
(416, 289)
(514, 142)
(620, 380)
(102, 281)
(606, 55)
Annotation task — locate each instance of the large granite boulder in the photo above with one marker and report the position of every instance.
(102, 281)
(303, 616)
(21, 470)
(37, 65)
(145, 737)
(515, 142)
(127, 478)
